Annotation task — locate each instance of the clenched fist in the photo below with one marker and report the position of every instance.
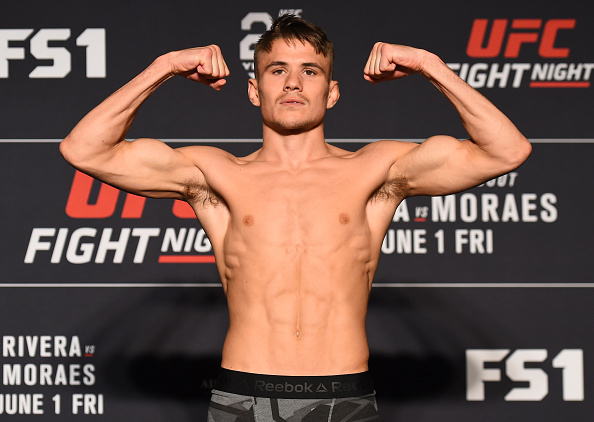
(392, 61)
(201, 64)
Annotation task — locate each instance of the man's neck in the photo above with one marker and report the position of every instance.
(294, 149)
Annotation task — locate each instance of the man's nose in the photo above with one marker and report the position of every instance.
(293, 82)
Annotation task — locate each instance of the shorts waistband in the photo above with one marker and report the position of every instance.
(294, 387)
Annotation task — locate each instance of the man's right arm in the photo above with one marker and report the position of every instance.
(146, 167)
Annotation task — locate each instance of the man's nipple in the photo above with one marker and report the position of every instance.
(343, 218)
(248, 220)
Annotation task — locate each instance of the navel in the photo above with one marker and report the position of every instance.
(248, 220)
(343, 218)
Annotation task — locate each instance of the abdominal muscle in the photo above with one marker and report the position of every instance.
(297, 308)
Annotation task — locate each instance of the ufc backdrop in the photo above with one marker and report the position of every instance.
(111, 307)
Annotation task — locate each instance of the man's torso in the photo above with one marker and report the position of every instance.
(297, 250)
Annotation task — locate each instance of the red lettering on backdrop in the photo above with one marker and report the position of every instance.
(547, 44)
(516, 39)
(78, 205)
(477, 37)
(494, 42)
(182, 209)
(133, 206)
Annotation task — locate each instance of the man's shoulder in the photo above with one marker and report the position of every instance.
(386, 151)
(206, 154)
(385, 145)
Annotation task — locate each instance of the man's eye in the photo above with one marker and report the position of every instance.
(277, 71)
(310, 72)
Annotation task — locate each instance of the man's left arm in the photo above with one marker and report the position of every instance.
(442, 164)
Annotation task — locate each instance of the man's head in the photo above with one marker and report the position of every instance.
(292, 29)
(293, 85)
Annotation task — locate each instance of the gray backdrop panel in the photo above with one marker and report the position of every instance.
(521, 278)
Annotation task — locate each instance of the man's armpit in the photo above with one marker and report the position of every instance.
(203, 196)
(395, 189)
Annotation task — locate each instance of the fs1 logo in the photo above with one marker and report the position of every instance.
(570, 361)
(508, 38)
(250, 22)
(92, 39)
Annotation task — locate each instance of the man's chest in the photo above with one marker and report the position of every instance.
(298, 207)
(315, 204)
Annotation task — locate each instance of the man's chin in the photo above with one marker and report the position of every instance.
(292, 127)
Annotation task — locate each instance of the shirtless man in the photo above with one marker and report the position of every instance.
(296, 226)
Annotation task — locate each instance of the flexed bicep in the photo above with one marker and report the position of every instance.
(146, 167)
(149, 167)
(97, 144)
(443, 165)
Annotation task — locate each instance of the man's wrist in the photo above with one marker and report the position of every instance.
(430, 64)
(160, 70)
(164, 64)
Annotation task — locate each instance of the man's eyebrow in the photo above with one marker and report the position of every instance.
(313, 64)
(275, 63)
(306, 64)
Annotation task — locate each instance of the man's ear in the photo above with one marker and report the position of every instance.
(333, 95)
(253, 92)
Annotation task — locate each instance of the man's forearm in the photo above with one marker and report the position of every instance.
(487, 127)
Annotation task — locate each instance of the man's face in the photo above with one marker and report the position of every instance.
(293, 88)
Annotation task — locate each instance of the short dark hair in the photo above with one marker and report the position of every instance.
(292, 28)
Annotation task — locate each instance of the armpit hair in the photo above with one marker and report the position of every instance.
(203, 196)
(394, 189)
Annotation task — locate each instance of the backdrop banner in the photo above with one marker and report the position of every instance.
(111, 305)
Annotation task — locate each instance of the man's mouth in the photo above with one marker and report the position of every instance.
(292, 101)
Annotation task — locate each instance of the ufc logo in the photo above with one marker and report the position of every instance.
(570, 361)
(530, 33)
(80, 205)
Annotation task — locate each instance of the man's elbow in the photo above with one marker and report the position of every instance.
(514, 154)
(522, 151)
(72, 152)
(66, 150)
